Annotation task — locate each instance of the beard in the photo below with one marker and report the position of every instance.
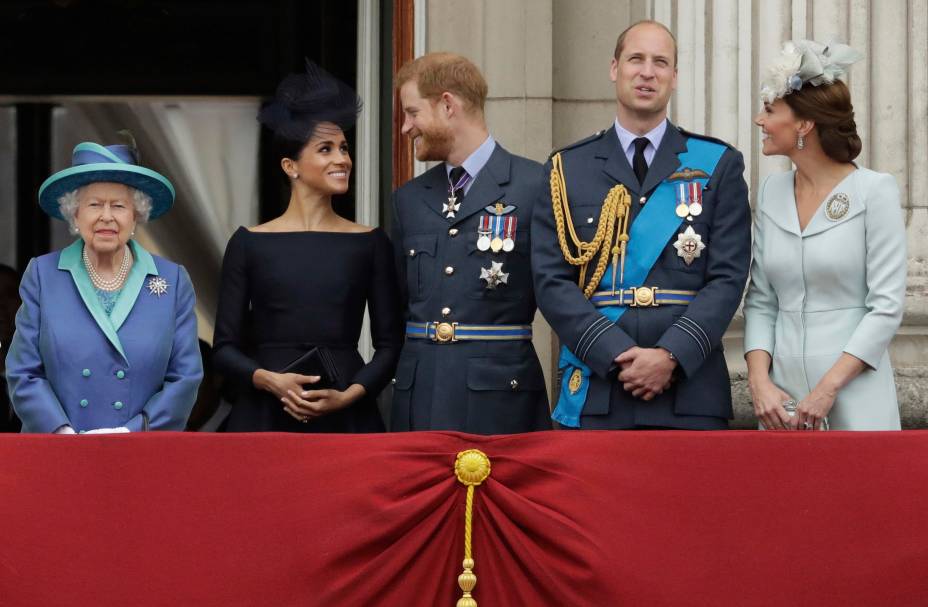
(434, 144)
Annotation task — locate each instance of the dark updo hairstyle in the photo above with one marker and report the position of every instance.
(303, 102)
(829, 107)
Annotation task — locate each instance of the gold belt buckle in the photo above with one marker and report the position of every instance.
(444, 332)
(644, 297)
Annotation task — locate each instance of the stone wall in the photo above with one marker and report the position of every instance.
(547, 65)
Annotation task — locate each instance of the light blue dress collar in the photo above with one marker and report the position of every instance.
(71, 260)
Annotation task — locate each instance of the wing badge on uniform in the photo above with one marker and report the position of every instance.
(688, 174)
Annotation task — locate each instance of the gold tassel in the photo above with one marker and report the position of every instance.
(472, 467)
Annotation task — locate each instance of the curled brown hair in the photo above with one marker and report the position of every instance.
(829, 107)
(436, 73)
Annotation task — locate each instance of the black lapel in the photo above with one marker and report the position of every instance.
(665, 160)
(486, 188)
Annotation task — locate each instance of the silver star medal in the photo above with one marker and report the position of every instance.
(494, 275)
(157, 286)
(451, 207)
(689, 245)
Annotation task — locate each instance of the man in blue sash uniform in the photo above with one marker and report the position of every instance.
(462, 235)
(640, 255)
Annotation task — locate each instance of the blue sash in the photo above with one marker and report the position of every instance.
(650, 232)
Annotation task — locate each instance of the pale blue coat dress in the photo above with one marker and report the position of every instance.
(71, 363)
(838, 286)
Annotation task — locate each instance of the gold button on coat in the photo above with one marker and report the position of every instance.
(514, 384)
(449, 270)
(446, 311)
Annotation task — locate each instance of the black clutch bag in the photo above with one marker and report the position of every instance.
(317, 361)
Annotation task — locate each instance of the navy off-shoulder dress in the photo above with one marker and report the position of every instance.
(283, 293)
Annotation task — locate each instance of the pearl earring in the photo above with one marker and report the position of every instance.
(800, 143)
(295, 175)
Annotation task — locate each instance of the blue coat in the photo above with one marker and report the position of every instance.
(700, 396)
(71, 364)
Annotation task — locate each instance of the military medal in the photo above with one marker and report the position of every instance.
(483, 233)
(695, 198)
(453, 206)
(496, 245)
(683, 208)
(837, 206)
(509, 242)
(689, 245)
(494, 275)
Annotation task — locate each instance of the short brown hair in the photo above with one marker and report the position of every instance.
(829, 107)
(436, 73)
(620, 43)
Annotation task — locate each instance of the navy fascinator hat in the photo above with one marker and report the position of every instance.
(304, 101)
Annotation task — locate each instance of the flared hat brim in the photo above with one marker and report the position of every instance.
(152, 183)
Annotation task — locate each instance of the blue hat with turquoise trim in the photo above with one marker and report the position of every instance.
(94, 163)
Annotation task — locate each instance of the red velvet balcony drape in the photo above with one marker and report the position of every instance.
(565, 519)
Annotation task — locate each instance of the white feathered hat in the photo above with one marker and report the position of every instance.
(805, 62)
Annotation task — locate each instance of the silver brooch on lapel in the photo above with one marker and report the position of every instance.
(689, 245)
(157, 286)
(837, 206)
(494, 275)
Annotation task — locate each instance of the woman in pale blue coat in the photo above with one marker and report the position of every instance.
(828, 278)
(106, 338)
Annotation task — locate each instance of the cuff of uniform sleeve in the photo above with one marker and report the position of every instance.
(602, 352)
(687, 345)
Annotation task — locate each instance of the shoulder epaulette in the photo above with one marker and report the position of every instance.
(594, 137)
(705, 137)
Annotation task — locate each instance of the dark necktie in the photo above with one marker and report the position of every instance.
(638, 162)
(456, 179)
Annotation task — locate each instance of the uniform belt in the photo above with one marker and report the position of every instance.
(450, 332)
(642, 297)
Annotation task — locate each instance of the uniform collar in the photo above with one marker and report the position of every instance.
(627, 138)
(474, 163)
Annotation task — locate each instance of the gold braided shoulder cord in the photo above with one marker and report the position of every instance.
(615, 211)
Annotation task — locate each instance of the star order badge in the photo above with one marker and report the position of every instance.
(494, 275)
(689, 245)
(157, 286)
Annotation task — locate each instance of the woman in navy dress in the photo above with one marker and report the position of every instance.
(303, 280)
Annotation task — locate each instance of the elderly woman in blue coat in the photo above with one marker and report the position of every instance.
(106, 338)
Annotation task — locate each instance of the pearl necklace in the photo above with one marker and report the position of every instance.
(117, 281)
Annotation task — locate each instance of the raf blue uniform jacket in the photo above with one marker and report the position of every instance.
(481, 387)
(71, 364)
(700, 396)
